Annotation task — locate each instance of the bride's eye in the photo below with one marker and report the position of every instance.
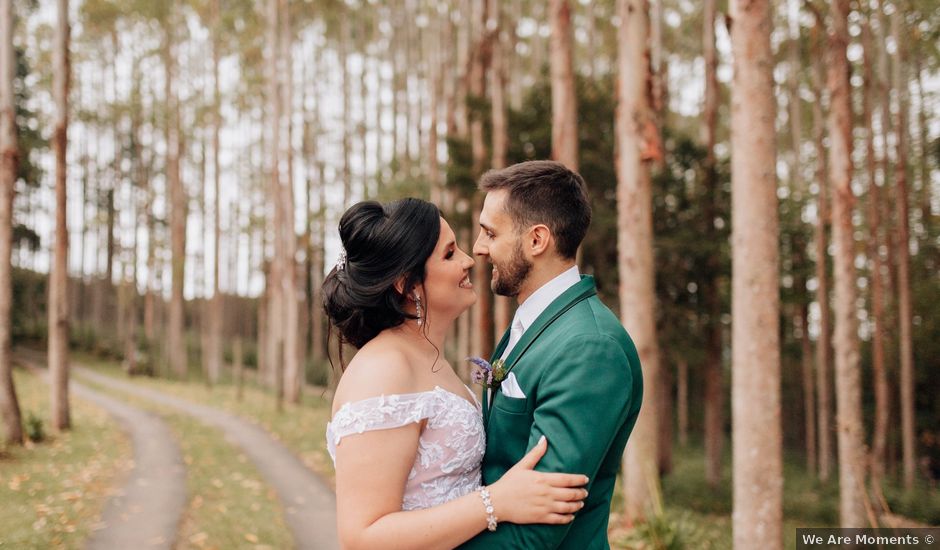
(449, 255)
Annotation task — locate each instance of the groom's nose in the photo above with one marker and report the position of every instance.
(478, 248)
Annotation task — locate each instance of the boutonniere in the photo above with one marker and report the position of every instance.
(487, 375)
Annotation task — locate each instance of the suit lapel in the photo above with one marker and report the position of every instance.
(497, 353)
(568, 299)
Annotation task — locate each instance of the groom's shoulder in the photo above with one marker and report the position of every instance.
(589, 317)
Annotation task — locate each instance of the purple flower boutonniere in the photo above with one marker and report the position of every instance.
(487, 375)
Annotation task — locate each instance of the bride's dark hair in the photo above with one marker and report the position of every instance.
(382, 243)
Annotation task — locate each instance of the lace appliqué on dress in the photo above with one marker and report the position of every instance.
(450, 448)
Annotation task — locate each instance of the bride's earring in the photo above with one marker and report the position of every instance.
(418, 309)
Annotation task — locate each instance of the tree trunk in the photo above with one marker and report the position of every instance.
(276, 295)
(82, 294)
(924, 140)
(847, 368)
(714, 394)
(407, 14)
(657, 63)
(755, 368)
(238, 368)
(809, 390)
(501, 304)
(666, 407)
(363, 126)
(904, 253)
(564, 98)
(458, 121)
(537, 11)
(889, 279)
(9, 404)
(111, 214)
(149, 299)
(319, 336)
(215, 306)
(315, 218)
(176, 343)
(514, 64)
(479, 63)
(796, 168)
(262, 336)
(682, 399)
(344, 72)
(395, 62)
(635, 248)
(879, 374)
(463, 322)
(201, 263)
(823, 344)
(483, 339)
(58, 278)
(293, 373)
(139, 181)
(435, 42)
(498, 85)
(378, 110)
(483, 336)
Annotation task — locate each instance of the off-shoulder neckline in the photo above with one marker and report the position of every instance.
(475, 403)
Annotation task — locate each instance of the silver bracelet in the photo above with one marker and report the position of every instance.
(491, 519)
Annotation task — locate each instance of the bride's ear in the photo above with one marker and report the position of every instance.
(400, 285)
(416, 290)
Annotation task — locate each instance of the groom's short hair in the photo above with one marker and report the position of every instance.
(545, 192)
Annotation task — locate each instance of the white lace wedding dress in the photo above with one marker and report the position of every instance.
(450, 448)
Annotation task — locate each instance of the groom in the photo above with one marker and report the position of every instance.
(573, 372)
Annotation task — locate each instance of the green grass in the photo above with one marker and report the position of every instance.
(703, 513)
(229, 505)
(53, 492)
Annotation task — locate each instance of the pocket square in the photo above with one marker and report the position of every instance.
(510, 387)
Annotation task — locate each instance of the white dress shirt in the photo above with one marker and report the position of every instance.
(529, 310)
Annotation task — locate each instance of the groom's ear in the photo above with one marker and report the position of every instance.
(538, 240)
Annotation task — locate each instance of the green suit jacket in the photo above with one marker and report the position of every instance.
(580, 373)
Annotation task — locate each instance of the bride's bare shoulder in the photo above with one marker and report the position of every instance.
(379, 368)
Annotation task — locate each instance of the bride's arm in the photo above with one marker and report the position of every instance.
(372, 469)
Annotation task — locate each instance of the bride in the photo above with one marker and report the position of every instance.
(406, 434)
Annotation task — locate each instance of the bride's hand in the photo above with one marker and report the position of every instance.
(523, 495)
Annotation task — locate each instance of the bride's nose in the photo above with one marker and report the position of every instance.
(468, 261)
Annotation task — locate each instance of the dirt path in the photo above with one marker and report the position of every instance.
(146, 511)
(309, 505)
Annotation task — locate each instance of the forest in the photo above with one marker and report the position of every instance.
(765, 185)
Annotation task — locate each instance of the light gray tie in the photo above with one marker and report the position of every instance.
(515, 334)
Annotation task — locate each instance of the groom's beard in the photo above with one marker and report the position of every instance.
(512, 274)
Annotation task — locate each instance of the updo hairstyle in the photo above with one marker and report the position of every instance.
(382, 243)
